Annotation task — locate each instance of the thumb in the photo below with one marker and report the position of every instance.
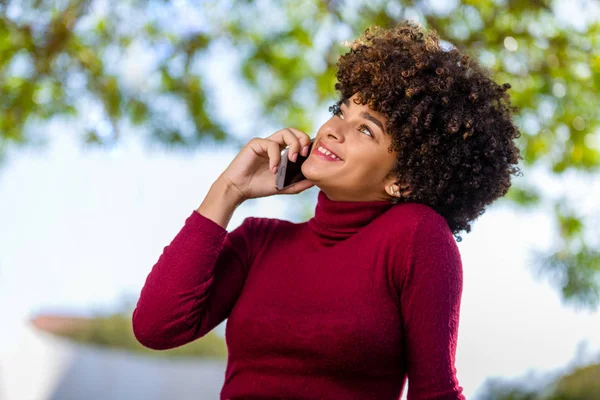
(297, 187)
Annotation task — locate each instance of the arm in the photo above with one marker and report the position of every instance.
(196, 280)
(430, 305)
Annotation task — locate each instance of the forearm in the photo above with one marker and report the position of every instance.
(220, 202)
(174, 297)
(173, 306)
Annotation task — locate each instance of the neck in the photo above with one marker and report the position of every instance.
(341, 197)
(335, 220)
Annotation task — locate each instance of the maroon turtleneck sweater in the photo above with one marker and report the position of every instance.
(347, 305)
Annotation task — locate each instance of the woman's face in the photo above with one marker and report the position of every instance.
(358, 136)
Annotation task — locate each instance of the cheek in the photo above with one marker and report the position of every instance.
(375, 166)
(364, 166)
(366, 172)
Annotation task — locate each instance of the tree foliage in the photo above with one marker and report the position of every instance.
(116, 332)
(581, 383)
(118, 67)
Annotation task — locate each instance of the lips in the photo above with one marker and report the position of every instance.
(329, 149)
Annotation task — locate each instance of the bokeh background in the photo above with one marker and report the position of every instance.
(117, 116)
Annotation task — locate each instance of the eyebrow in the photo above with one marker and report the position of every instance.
(366, 115)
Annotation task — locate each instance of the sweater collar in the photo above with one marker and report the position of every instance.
(335, 221)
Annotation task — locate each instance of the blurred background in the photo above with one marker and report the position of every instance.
(117, 116)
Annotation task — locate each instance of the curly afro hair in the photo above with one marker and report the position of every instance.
(450, 122)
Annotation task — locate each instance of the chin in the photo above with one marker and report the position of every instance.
(322, 173)
(311, 171)
(315, 175)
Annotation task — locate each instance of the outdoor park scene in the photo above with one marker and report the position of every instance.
(116, 118)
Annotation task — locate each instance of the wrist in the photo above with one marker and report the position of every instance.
(227, 192)
(220, 203)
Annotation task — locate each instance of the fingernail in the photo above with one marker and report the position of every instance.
(274, 169)
(294, 157)
(305, 151)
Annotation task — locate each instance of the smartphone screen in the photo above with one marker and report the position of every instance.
(290, 172)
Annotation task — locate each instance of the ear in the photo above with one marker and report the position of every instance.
(395, 189)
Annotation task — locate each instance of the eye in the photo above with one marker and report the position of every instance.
(336, 110)
(363, 128)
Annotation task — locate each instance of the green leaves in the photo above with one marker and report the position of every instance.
(115, 331)
(572, 266)
(578, 383)
(523, 196)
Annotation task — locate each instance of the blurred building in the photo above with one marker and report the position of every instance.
(46, 366)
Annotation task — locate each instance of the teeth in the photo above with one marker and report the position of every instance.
(327, 153)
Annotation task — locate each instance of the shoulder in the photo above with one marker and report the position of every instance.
(411, 220)
(429, 230)
(428, 252)
(262, 227)
(412, 213)
(414, 232)
(262, 233)
(267, 223)
(257, 225)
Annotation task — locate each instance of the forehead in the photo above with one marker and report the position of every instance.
(349, 102)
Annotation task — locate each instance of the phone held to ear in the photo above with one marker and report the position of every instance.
(289, 172)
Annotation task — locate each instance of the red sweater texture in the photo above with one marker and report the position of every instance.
(347, 305)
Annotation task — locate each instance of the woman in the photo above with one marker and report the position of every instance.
(366, 294)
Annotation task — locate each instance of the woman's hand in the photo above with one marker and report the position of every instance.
(252, 172)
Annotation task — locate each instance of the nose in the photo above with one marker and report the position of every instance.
(335, 133)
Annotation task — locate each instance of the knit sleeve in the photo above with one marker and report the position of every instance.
(194, 284)
(430, 306)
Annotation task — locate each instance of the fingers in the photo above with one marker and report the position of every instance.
(274, 155)
(261, 146)
(303, 137)
(297, 187)
(293, 142)
(297, 141)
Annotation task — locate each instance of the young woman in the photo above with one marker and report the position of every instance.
(366, 294)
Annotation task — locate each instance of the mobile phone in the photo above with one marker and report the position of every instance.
(289, 172)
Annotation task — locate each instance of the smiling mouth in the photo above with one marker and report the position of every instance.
(324, 152)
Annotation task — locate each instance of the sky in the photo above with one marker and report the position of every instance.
(81, 229)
